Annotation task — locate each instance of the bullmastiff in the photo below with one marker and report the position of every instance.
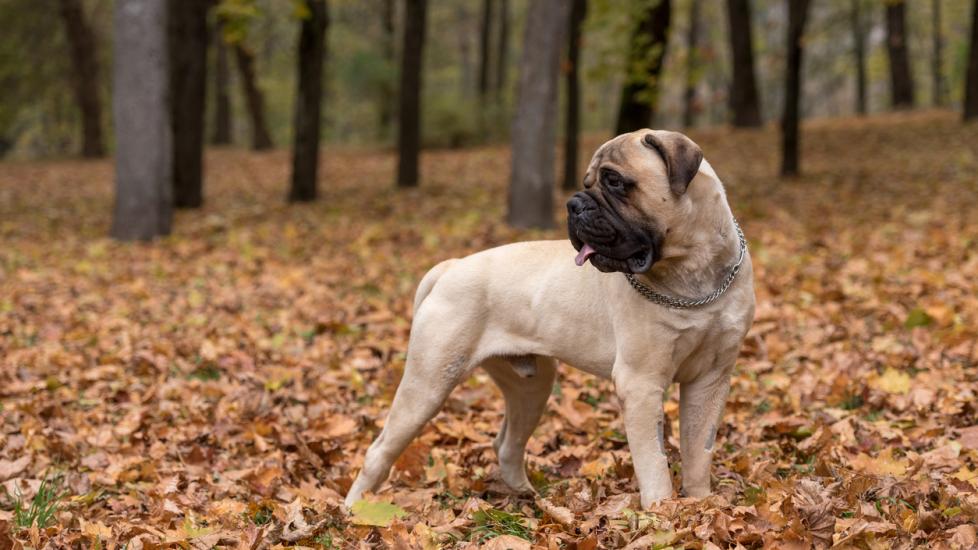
(653, 287)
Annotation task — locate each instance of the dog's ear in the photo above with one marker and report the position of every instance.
(681, 155)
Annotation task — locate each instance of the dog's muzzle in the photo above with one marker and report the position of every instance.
(602, 236)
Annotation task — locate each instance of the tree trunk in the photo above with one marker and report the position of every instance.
(188, 93)
(971, 80)
(744, 100)
(409, 114)
(534, 126)
(222, 94)
(386, 91)
(572, 121)
(640, 94)
(466, 84)
(261, 139)
(305, 152)
(85, 69)
(859, 53)
(484, 46)
(937, 61)
(692, 62)
(143, 200)
(502, 52)
(797, 14)
(901, 79)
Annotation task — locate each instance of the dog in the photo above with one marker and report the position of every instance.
(668, 297)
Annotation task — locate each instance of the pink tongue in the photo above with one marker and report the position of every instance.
(583, 255)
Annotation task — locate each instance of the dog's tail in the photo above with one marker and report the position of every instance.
(428, 282)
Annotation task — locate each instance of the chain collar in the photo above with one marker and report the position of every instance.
(689, 303)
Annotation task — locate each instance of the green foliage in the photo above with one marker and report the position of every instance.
(236, 17)
(491, 523)
(43, 507)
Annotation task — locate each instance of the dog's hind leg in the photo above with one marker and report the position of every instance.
(526, 391)
(437, 361)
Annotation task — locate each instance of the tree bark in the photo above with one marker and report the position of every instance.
(467, 81)
(188, 89)
(745, 102)
(692, 64)
(261, 139)
(386, 92)
(143, 194)
(797, 15)
(572, 121)
(85, 73)
(484, 46)
(640, 94)
(409, 114)
(222, 94)
(937, 59)
(305, 151)
(901, 78)
(502, 52)
(971, 80)
(859, 54)
(534, 122)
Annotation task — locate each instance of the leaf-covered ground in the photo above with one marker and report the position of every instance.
(219, 388)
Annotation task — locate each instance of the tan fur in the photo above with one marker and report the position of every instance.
(531, 300)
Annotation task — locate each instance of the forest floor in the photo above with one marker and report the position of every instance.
(220, 387)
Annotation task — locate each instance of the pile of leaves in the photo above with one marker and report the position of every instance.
(220, 387)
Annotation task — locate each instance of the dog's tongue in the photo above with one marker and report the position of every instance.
(583, 255)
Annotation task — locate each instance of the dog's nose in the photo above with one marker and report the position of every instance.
(576, 205)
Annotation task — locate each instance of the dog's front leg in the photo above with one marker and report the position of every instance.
(640, 391)
(701, 404)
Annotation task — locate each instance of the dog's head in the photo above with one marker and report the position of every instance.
(632, 189)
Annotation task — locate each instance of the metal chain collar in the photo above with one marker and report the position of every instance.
(688, 303)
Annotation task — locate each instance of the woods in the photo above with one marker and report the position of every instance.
(220, 220)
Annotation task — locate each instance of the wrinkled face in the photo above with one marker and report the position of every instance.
(631, 187)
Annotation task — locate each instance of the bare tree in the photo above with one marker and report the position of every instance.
(971, 81)
(85, 75)
(261, 139)
(744, 99)
(901, 79)
(409, 121)
(797, 15)
(859, 55)
(386, 90)
(534, 126)
(640, 94)
(311, 53)
(143, 200)
(502, 51)
(485, 29)
(188, 85)
(937, 55)
(572, 120)
(692, 64)
(222, 94)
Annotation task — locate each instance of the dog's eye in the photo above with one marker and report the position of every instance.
(612, 179)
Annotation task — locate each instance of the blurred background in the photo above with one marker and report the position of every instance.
(471, 57)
